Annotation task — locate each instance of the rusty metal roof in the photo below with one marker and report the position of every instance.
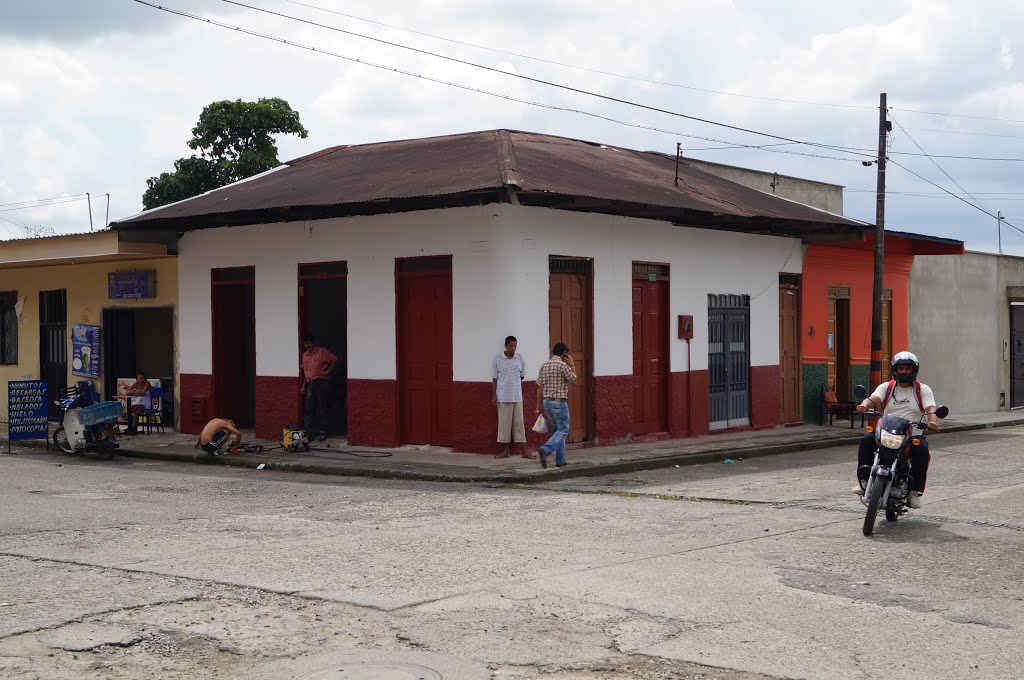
(495, 166)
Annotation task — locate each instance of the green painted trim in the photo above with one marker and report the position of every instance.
(815, 376)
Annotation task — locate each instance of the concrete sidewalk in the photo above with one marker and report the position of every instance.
(441, 464)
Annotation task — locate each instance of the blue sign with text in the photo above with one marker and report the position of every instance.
(27, 409)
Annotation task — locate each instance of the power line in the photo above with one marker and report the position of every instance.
(957, 115)
(957, 184)
(13, 235)
(963, 132)
(40, 203)
(494, 70)
(959, 198)
(650, 81)
(507, 97)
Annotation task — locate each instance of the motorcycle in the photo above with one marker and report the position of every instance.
(87, 426)
(888, 484)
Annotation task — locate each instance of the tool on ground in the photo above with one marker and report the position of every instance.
(294, 438)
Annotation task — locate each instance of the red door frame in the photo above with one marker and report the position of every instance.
(223, 387)
(652, 385)
(441, 392)
(302, 328)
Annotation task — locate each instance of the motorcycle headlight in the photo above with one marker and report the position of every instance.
(889, 440)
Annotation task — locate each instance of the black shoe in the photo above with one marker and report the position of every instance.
(131, 433)
(543, 457)
(560, 464)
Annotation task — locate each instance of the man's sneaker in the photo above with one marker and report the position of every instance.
(543, 457)
(914, 499)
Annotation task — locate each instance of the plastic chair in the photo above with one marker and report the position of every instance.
(154, 415)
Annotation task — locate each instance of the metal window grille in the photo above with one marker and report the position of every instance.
(570, 265)
(232, 275)
(411, 265)
(644, 270)
(8, 329)
(729, 360)
(324, 270)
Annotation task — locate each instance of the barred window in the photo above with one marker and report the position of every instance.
(8, 328)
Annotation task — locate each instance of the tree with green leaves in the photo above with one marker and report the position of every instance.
(235, 142)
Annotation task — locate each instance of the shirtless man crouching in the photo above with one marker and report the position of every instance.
(215, 435)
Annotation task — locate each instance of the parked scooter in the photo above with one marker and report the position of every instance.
(889, 482)
(87, 426)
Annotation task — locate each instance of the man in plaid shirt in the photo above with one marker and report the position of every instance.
(553, 391)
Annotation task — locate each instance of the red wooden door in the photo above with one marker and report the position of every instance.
(425, 354)
(650, 356)
(234, 344)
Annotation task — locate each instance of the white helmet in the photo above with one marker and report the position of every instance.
(906, 359)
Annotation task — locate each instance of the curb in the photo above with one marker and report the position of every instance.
(576, 470)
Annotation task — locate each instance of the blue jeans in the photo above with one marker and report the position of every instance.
(557, 413)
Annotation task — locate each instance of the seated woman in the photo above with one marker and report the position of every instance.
(139, 392)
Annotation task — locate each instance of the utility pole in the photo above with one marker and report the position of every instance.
(999, 229)
(876, 306)
(88, 200)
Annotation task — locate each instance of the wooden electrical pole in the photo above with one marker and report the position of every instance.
(876, 300)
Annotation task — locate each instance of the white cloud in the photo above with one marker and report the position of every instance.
(103, 104)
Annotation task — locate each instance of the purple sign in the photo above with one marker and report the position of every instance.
(131, 285)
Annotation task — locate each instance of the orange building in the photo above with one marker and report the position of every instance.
(835, 311)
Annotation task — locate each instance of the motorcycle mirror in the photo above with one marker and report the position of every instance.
(942, 411)
(860, 392)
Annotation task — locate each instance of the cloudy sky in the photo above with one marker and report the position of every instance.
(99, 95)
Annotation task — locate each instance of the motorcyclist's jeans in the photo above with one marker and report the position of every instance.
(919, 459)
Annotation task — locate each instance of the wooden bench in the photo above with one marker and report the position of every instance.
(834, 408)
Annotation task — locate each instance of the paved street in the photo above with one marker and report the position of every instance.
(756, 569)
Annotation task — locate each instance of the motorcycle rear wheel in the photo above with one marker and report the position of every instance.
(60, 440)
(876, 496)
(891, 514)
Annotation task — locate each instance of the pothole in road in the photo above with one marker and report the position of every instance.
(373, 671)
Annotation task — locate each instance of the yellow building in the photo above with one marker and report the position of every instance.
(122, 296)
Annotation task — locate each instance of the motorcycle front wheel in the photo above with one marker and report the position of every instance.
(60, 440)
(873, 500)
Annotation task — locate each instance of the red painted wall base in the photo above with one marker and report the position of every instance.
(373, 418)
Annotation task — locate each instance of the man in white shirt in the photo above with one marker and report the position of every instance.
(906, 397)
(507, 373)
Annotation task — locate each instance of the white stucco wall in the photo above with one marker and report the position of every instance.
(499, 277)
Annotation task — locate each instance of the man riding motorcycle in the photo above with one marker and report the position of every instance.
(908, 398)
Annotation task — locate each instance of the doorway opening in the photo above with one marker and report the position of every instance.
(138, 339)
(233, 310)
(323, 311)
(53, 345)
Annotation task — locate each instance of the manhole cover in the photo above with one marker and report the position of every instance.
(373, 671)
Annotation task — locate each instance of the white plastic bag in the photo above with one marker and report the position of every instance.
(541, 425)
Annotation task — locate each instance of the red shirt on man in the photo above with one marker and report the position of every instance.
(317, 363)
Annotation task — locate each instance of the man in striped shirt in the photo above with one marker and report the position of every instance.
(507, 373)
(553, 391)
